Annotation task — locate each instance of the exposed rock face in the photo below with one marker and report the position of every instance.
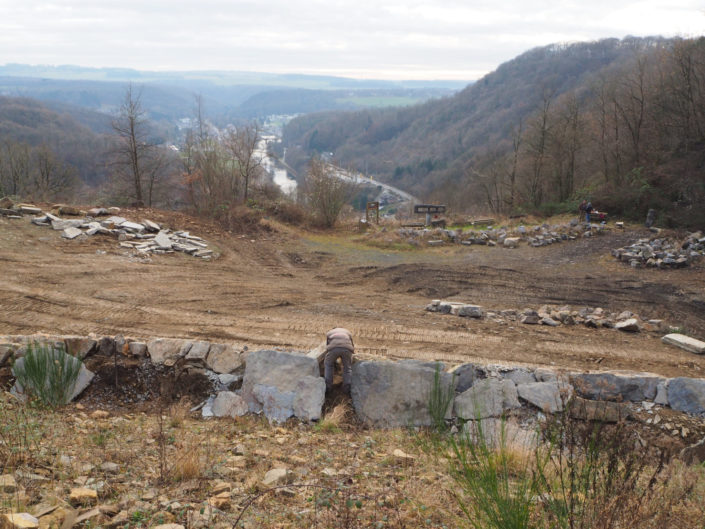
(687, 394)
(487, 398)
(608, 386)
(685, 342)
(283, 384)
(389, 395)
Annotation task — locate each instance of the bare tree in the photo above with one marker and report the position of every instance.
(242, 144)
(52, 177)
(15, 165)
(136, 159)
(537, 148)
(325, 192)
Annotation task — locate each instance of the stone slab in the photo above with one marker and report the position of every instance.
(685, 342)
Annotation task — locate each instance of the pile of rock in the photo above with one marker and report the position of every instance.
(660, 252)
(145, 237)
(593, 317)
(536, 236)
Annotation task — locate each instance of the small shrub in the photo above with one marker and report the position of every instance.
(47, 374)
(439, 400)
(499, 487)
(21, 433)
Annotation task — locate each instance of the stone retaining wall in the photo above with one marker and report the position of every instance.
(384, 393)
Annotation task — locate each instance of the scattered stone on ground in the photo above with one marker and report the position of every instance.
(592, 317)
(502, 236)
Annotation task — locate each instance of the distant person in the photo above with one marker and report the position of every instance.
(588, 209)
(581, 210)
(339, 344)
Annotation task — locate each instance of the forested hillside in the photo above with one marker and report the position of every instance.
(621, 122)
(48, 153)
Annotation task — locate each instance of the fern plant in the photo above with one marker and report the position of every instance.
(48, 374)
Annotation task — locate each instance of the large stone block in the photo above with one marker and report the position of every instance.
(601, 411)
(608, 386)
(198, 353)
(390, 394)
(229, 404)
(687, 394)
(80, 347)
(490, 397)
(471, 311)
(466, 375)
(276, 380)
(546, 396)
(304, 401)
(518, 375)
(165, 350)
(224, 358)
(685, 342)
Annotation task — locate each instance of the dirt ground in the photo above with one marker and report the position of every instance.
(284, 288)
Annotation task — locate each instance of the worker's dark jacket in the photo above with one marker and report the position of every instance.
(339, 338)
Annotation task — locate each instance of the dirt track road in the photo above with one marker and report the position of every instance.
(277, 290)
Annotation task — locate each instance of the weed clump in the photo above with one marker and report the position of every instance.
(47, 374)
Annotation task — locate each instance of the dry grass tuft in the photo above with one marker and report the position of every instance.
(341, 414)
(187, 463)
(178, 414)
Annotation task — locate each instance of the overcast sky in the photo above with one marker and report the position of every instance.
(384, 39)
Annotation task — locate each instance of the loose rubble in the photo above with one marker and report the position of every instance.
(660, 252)
(144, 238)
(592, 317)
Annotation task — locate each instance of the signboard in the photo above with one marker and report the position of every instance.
(372, 208)
(429, 208)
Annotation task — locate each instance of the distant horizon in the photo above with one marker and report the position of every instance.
(236, 71)
(392, 40)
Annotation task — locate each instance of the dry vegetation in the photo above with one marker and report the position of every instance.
(171, 466)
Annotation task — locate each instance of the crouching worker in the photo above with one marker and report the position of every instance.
(339, 344)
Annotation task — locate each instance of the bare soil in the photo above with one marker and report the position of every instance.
(284, 288)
